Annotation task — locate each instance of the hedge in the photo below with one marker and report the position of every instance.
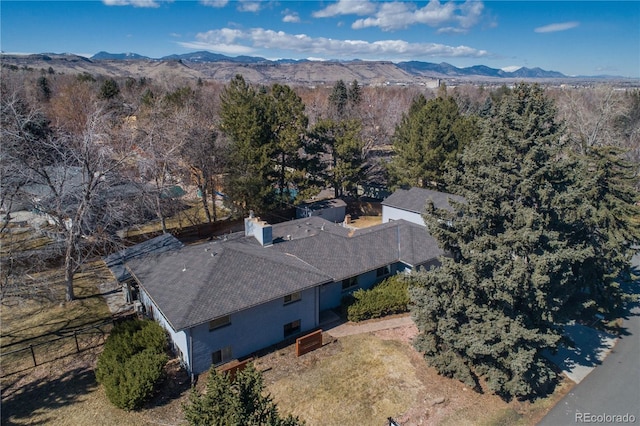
(391, 296)
(132, 362)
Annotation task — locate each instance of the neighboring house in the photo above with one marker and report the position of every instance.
(333, 210)
(231, 297)
(410, 204)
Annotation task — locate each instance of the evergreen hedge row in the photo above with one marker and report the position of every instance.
(391, 296)
(132, 362)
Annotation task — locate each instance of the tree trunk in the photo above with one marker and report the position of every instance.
(212, 189)
(282, 171)
(205, 203)
(69, 268)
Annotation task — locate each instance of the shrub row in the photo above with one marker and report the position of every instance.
(132, 362)
(391, 296)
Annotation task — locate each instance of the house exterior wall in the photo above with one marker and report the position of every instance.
(332, 214)
(392, 213)
(253, 329)
(178, 340)
(331, 294)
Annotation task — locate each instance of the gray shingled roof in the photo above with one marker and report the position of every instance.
(415, 199)
(198, 283)
(115, 262)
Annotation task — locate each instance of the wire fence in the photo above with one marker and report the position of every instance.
(34, 352)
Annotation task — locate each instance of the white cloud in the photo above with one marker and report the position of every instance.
(249, 6)
(134, 3)
(240, 41)
(560, 26)
(398, 15)
(290, 16)
(214, 3)
(347, 7)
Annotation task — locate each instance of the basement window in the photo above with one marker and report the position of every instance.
(292, 328)
(219, 322)
(221, 356)
(293, 297)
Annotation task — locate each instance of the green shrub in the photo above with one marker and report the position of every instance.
(132, 362)
(241, 401)
(391, 296)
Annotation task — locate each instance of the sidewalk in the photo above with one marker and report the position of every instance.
(350, 328)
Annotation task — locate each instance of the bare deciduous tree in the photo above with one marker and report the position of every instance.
(71, 179)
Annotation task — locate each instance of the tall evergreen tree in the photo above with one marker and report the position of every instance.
(493, 308)
(288, 128)
(245, 120)
(337, 148)
(610, 225)
(338, 100)
(427, 140)
(354, 94)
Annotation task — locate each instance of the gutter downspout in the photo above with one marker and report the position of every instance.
(190, 350)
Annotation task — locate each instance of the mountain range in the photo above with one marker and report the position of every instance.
(413, 67)
(212, 66)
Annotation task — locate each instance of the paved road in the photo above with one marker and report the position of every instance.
(613, 388)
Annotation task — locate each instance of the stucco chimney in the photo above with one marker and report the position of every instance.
(259, 229)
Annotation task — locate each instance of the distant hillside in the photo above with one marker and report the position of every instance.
(447, 70)
(117, 56)
(213, 66)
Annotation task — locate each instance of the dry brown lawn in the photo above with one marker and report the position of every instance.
(365, 221)
(364, 379)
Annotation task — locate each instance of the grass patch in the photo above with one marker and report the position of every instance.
(369, 380)
(38, 320)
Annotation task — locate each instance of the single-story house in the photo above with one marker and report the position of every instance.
(333, 210)
(409, 204)
(228, 298)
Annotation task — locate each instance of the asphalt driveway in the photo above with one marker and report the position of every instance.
(610, 394)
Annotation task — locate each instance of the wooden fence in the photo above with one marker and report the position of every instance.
(308, 343)
(34, 352)
(233, 368)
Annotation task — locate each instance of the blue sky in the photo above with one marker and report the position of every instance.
(573, 37)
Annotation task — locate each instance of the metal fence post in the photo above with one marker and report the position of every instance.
(33, 355)
(75, 335)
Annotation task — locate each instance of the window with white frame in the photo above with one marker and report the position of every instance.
(293, 297)
(219, 322)
(221, 356)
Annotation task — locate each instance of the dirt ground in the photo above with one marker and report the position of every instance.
(435, 400)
